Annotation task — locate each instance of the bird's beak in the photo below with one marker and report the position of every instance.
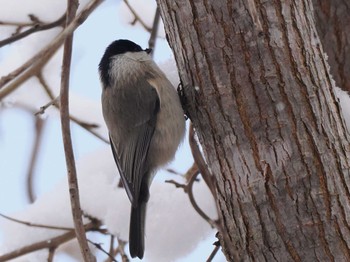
(148, 50)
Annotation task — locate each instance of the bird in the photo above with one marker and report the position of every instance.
(145, 121)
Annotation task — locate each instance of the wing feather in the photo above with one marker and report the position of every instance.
(131, 117)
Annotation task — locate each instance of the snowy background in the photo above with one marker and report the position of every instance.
(174, 231)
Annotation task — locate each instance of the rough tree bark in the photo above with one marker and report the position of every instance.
(333, 26)
(261, 99)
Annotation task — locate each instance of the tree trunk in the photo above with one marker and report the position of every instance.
(261, 99)
(333, 26)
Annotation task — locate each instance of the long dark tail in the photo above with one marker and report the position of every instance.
(137, 230)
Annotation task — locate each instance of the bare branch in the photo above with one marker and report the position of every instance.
(53, 242)
(198, 158)
(153, 37)
(87, 126)
(46, 106)
(40, 59)
(194, 203)
(111, 249)
(48, 243)
(214, 252)
(37, 27)
(67, 141)
(51, 254)
(21, 24)
(99, 247)
(193, 172)
(173, 171)
(34, 224)
(35, 19)
(5, 79)
(121, 250)
(45, 85)
(176, 184)
(39, 127)
(137, 17)
(118, 250)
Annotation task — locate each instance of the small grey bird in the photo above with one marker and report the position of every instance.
(146, 124)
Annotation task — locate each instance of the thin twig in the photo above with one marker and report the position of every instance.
(51, 254)
(30, 224)
(53, 242)
(188, 188)
(46, 106)
(153, 36)
(48, 243)
(99, 247)
(45, 85)
(137, 17)
(194, 203)
(5, 79)
(214, 252)
(19, 25)
(67, 140)
(121, 248)
(45, 54)
(198, 158)
(87, 126)
(37, 27)
(39, 127)
(111, 249)
(173, 171)
(34, 19)
(189, 173)
(22, 24)
(118, 250)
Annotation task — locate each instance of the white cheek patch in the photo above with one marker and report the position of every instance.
(138, 56)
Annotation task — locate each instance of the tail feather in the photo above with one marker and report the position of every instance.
(137, 230)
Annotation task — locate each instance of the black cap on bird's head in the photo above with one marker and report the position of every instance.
(118, 47)
(122, 46)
